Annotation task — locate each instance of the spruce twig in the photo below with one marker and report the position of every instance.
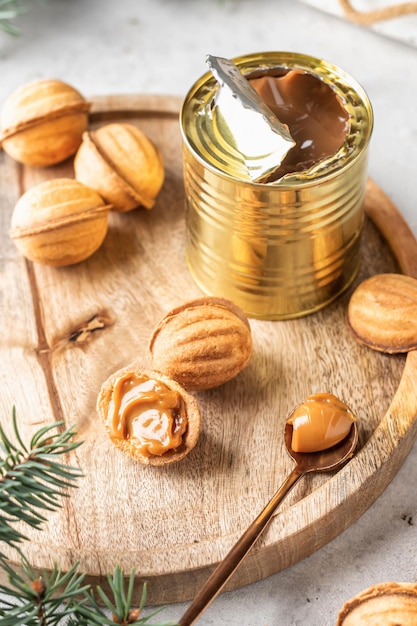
(9, 11)
(32, 481)
(31, 478)
(37, 600)
(120, 608)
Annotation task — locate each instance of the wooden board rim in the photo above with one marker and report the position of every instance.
(349, 498)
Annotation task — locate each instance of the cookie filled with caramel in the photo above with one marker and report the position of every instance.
(149, 416)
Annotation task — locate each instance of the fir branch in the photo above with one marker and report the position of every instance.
(120, 607)
(34, 600)
(37, 600)
(9, 11)
(31, 479)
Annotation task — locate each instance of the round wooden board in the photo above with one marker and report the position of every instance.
(64, 331)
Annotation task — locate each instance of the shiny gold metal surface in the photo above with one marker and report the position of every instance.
(283, 249)
(246, 122)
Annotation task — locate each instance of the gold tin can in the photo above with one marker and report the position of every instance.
(281, 250)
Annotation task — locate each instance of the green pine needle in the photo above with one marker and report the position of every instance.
(9, 11)
(119, 606)
(32, 481)
(31, 478)
(34, 600)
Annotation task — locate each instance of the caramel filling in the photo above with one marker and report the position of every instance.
(148, 414)
(317, 120)
(319, 423)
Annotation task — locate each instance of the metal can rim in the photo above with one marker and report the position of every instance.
(348, 88)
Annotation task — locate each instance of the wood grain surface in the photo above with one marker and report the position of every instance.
(64, 331)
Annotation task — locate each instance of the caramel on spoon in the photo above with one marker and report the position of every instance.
(322, 461)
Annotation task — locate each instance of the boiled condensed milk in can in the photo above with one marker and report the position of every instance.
(274, 218)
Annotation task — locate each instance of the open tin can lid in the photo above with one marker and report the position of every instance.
(246, 123)
(220, 115)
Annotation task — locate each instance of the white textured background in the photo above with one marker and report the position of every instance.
(159, 46)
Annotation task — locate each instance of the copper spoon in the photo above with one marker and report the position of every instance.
(323, 461)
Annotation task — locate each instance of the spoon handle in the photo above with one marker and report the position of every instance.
(225, 568)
